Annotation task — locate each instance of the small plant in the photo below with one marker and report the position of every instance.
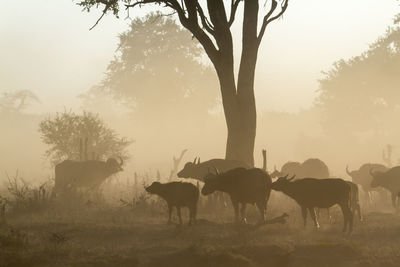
(14, 238)
(56, 241)
(24, 197)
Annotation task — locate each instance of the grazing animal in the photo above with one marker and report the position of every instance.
(90, 173)
(311, 193)
(354, 200)
(177, 194)
(198, 171)
(389, 180)
(311, 168)
(364, 179)
(244, 186)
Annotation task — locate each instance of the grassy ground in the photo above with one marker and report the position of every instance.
(109, 236)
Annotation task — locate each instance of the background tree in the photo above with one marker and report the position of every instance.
(159, 71)
(210, 23)
(362, 94)
(64, 132)
(15, 102)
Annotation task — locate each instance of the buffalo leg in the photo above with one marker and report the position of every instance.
(314, 216)
(348, 217)
(169, 213)
(192, 214)
(262, 207)
(358, 209)
(178, 210)
(394, 200)
(304, 213)
(235, 205)
(243, 212)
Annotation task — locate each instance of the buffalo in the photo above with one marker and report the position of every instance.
(311, 168)
(90, 173)
(311, 193)
(198, 170)
(364, 179)
(244, 186)
(177, 194)
(389, 180)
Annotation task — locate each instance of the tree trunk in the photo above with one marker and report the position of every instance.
(240, 114)
(241, 138)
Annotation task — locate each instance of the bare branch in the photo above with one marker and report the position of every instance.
(268, 19)
(234, 6)
(97, 22)
(204, 20)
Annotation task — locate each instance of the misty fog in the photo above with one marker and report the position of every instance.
(142, 95)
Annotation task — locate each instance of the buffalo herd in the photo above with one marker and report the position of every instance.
(309, 184)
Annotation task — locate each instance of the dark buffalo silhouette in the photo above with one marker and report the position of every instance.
(389, 180)
(310, 168)
(177, 194)
(364, 179)
(90, 173)
(311, 193)
(198, 170)
(244, 186)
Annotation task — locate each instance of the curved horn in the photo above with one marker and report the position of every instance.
(194, 161)
(198, 161)
(292, 177)
(347, 170)
(216, 170)
(122, 161)
(371, 171)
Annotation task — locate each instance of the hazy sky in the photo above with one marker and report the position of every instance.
(45, 46)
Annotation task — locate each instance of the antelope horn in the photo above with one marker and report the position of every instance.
(198, 161)
(194, 161)
(292, 177)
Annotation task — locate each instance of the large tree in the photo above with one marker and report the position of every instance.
(210, 22)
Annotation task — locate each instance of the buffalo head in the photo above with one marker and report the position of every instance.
(282, 183)
(376, 177)
(275, 173)
(210, 182)
(189, 169)
(154, 188)
(113, 166)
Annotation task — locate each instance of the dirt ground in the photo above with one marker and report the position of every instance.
(106, 236)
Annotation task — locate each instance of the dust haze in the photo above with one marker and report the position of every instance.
(99, 128)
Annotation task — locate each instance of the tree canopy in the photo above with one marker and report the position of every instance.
(15, 102)
(64, 132)
(362, 93)
(160, 69)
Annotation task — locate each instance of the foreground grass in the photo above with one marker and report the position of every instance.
(119, 238)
